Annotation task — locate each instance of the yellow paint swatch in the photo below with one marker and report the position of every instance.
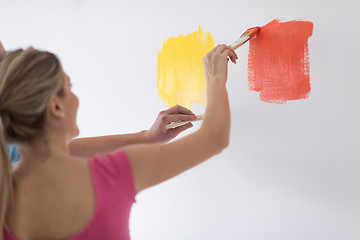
(180, 72)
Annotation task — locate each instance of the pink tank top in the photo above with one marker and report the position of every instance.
(115, 193)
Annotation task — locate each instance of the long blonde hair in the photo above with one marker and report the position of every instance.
(28, 79)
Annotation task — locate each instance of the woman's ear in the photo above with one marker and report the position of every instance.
(56, 108)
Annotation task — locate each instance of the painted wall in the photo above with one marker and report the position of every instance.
(292, 170)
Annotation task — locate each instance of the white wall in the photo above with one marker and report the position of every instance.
(291, 171)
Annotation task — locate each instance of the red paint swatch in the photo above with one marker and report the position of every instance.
(278, 61)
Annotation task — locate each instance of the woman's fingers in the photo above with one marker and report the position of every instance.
(178, 117)
(229, 52)
(178, 109)
(214, 49)
(233, 51)
(220, 49)
(226, 50)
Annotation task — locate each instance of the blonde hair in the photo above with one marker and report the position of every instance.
(28, 79)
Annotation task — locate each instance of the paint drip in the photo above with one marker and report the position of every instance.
(278, 61)
(180, 72)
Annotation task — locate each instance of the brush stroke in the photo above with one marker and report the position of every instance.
(278, 61)
(180, 71)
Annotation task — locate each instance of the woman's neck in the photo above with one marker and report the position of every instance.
(42, 150)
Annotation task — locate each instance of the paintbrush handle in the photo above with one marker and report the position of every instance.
(181, 123)
(176, 124)
(236, 45)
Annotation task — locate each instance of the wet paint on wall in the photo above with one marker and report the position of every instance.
(278, 61)
(180, 71)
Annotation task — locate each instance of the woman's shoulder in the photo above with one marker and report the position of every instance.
(114, 168)
(112, 163)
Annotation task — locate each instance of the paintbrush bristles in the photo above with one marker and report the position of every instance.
(245, 37)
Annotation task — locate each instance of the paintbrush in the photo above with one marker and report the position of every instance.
(246, 36)
(181, 123)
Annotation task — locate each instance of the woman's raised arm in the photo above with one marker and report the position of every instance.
(155, 163)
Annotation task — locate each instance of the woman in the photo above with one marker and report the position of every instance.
(54, 195)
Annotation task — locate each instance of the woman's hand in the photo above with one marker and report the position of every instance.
(216, 62)
(158, 132)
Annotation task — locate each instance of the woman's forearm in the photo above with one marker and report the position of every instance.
(217, 114)
(88, 147)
